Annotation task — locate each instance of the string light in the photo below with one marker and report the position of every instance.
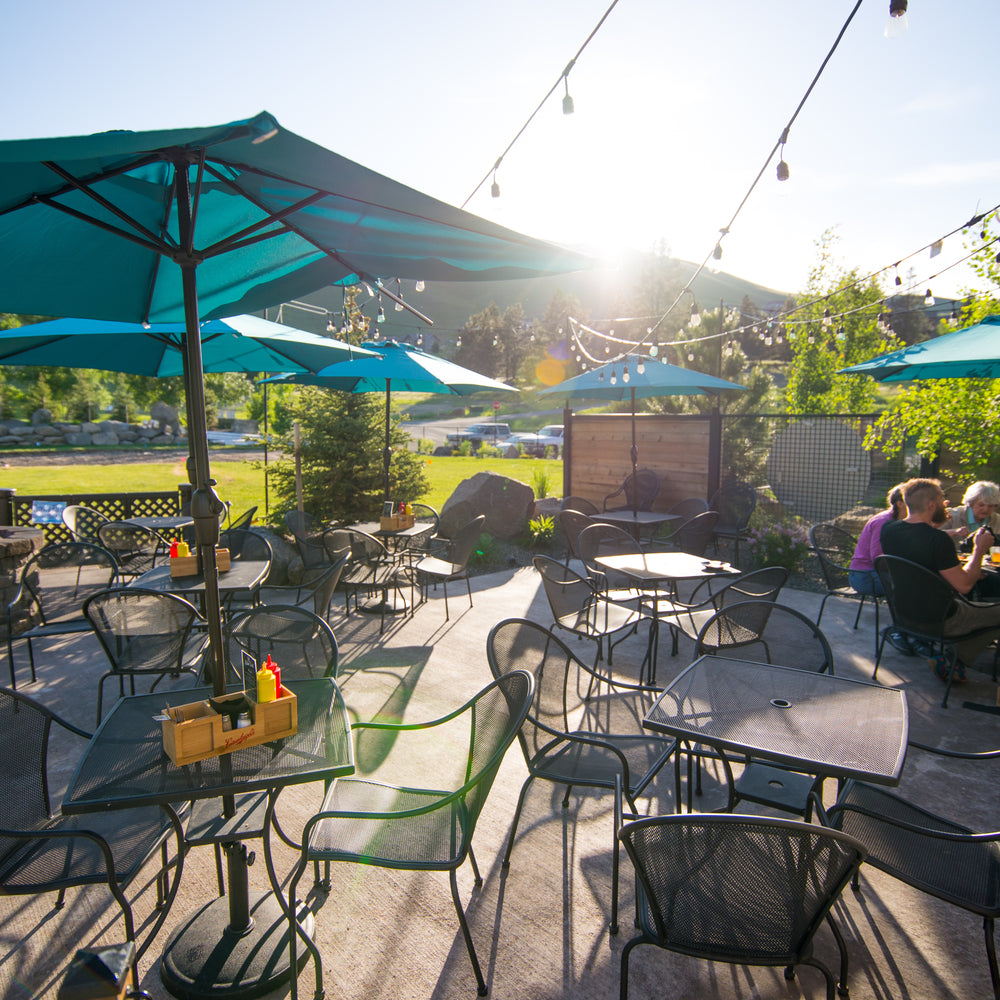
(495, 187)
(929, 299)
(567, 100)
(640, 367)
(626, 378)
(897, 23)
(419, 286)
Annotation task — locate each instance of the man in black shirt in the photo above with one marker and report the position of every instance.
(919, 539)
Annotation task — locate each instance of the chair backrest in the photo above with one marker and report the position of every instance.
(695, 533)
(246, 544)
(464, 541)
(579, 504)
(518, 644)
(605, 540)
(759, 585)
(426, 516)
(640, 489)
(571, 523)
(735, 502)
(321, 583)
(788, 875)
(136, 548)
(302, 524)
(834, 548)
(60, 577)
(919, 599)
(141, 631)
(307, 532)
(83, 522)
(496, 714)
(25, 726)
(766, 632)
(243, 521)
(299, 641)
(570, 596)
(688, 507)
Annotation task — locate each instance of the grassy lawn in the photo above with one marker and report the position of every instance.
(242, 485)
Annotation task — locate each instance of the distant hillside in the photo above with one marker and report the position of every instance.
(601, 293)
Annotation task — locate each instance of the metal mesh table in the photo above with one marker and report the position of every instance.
(816, 723)
(234, 946)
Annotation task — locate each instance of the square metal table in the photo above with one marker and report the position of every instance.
(634, 522)
(651, 568)
(816, 723)
(233, 946)
(243, 574)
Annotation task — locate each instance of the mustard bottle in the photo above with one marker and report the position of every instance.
(266, 690)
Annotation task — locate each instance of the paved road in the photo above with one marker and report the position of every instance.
(438, 430)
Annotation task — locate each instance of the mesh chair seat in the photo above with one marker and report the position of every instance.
(746, 890)
(597, 764)
(454, 565)
(370, 822)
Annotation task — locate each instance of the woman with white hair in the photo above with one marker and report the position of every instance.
(978, 508)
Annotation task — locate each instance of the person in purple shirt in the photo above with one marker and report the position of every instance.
(861, 572)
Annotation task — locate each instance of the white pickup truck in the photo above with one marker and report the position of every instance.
(549, 436)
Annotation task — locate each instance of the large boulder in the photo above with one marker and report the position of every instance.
(79, 439)
(506, 503)
(41, 416)
(104, 439)
(166, 418)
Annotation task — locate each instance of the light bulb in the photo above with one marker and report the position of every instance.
(690, 355)
(626, 378)
(380, 318)
(812, 339)
(653, 350)
(458, 341)
(614, 377)
(330, 328)
(897, 23)
(607, 348)
(827, 320)
(717, 252)
(782, 170)
(495, 188)
(419, 286)
(929, 299)
(641, 367)
(695, 316)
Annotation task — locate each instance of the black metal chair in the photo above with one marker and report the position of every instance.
(372, 822)
(307, 532)
(692, 536)
(424, 544)
(316, 585)
(454, 564)
(242, 522)
(49, 601)
(572, 739)
(688, 507)
(834, 549)
(135, 548)
(571, 523)
(919, 601)
(83, 522)
(688, 618)
(579, 504)
(42, 851)
(598, 540)
(928, 852)
(639, 490)
(299, 641)
(145, 633)
(735, 503)
(578, 608)
(766, 632)
(746, 890)
(247, 545)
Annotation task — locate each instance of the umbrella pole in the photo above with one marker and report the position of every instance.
(635, 467)
(266, 509)
(205, 504)
(386, 453)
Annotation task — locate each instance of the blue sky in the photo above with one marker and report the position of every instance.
(677, 105)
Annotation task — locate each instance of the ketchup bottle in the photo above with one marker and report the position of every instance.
(276, 670)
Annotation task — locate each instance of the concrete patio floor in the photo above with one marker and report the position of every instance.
(541, 929)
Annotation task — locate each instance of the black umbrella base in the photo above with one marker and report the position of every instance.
(393, 603)
(204, 959)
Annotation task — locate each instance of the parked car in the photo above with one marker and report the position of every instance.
(491, 433)
(551, 435)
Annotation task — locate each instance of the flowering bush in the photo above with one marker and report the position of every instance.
(779, 545)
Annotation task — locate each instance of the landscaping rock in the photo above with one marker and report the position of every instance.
(45, 431)
(548, 507)
(506, 503)
(104, 439)
(41, 416)
(166, 418)
(79, 439)
(163, 439)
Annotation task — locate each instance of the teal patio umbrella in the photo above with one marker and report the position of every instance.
(245, 344)
(402, 368)
(637, 376)
(193, 223)
(185, 224)
(970, 353)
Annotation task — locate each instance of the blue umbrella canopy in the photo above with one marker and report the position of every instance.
(164, 226)
(638, 376)
(402, 368)
(239, 344)
(970, 353)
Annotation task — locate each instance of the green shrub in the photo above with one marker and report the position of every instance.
(541, 532)
(540, 483)
(779, 545)
(425, 446)
(485, 552)
(464, 449)
(489, 451)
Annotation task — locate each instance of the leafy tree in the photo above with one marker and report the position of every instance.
(123, 400)
(840, 325)
(342, 438)
(951, 419)
(87, 397)
(548, 355)
(492, 343)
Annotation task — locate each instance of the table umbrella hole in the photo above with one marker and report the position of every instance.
(781, 703)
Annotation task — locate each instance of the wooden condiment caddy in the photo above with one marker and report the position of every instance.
(188, 565)
(195, 731)
(397, 522)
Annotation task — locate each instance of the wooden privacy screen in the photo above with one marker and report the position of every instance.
(679, 449)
